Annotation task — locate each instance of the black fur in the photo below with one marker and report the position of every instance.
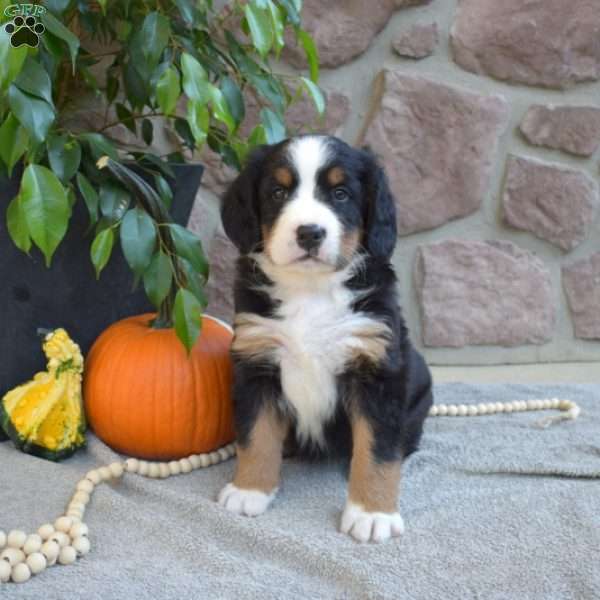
(395, 396)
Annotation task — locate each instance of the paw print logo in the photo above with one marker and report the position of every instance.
(25, 32)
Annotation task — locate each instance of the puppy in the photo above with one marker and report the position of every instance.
(321, 354)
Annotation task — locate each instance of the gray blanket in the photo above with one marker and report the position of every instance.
(494, 508)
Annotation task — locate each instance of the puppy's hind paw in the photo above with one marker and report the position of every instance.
(250, 503)
(366, 526)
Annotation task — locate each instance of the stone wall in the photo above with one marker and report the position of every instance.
(486, 115)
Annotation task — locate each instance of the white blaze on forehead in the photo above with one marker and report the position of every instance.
(308, 155)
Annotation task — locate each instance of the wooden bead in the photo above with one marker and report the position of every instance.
(78, 530)
(163, 470)
(32, 544)
(195, 461)
(16, 538)
(67, 556)
(63, 524)
(20, 573)
(12, 555)
(132, 465)
(116, 469)
(5, 570)
(214, 458)
(76, 507)
(185, 466)
(81, 545)
(204, 460)
(547, 404)
(82, 497)
(36, 562)
(174, 468)
(153, 470)
(85, 485)
(61, 538)
(93, 476)
(2, 539)
(50, 550)
(46, 531)
(564, 404)
(143, 468)
(105, 473)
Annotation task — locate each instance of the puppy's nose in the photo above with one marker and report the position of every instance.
(310, 236)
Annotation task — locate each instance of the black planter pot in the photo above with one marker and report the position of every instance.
(67, 294)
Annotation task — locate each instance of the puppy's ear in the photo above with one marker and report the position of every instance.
(380, 218)
(239, 210)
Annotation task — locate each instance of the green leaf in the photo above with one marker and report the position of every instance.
(147, 131)
(195, 80)
(99, 145)
(235, 100)
(189, 246)
(35, 80)
(278, 24)
(155, 32)
(54, 26)
(158, 278)
(187, 318)
(274, 127)
(168, 90)
(126, 117)
(292, 10)
(312, 54)
(182, 127)
(34, 114)
(11, 60)
(164, 190)
(194, 282)
(112, 88)
(138, 238)
(198, 120)
(101, 249)
(260, 28)
(220, 107)
(187, 10)
(64, 156)
(13, 142)
(114, 201)
(315, 93)
(257, 136)
(135, 87)
(90, 196)
(16, 223)
(46, 206)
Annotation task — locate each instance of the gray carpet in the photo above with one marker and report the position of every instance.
(494, 508)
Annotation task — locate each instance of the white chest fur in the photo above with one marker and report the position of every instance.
(313, 337)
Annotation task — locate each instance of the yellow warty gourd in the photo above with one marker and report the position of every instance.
(45, 415)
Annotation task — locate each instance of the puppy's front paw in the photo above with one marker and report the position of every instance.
(370, 526)
(245, 502)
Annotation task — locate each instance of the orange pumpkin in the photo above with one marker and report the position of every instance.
(146, 397)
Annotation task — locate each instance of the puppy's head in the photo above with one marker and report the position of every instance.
(311, 203)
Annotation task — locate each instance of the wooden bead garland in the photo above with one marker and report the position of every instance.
(22, 556)
(65, 540)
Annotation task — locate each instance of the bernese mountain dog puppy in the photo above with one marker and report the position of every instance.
(322, 358)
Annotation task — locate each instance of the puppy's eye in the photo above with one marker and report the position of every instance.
(341, 194)
(279, 194)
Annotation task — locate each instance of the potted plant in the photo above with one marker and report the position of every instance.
(176, 68)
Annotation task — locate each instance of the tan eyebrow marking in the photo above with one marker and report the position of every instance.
(283, 176)
(336, 175)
